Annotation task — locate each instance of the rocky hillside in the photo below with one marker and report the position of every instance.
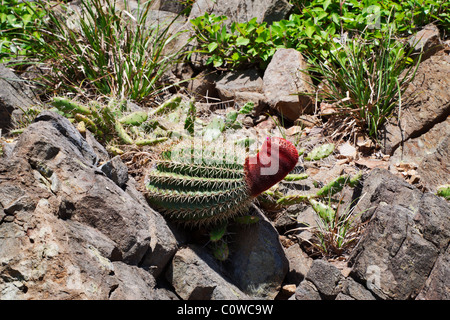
(75, 222)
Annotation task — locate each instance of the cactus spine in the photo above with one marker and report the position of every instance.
(199, 187)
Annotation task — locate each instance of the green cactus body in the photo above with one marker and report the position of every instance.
(320, 152)
(134, 119)
(202, 186)
(69, 106)
(334, 186)
(194, 192)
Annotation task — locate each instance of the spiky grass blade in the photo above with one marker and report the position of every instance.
(108, 52)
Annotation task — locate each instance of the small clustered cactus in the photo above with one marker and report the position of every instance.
(114, 124)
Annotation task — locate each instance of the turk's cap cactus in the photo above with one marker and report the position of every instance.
(209, 191)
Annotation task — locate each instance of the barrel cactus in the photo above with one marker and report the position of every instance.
(199, 186)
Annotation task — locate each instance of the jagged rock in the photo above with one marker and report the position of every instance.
(258, 264)
(116, 170)
(403, 253)
(430, 152)
(195, 275)
(163, 243)
(100, 151)
(407, 233)
(243, 11)
(437, 284)
(354, 291)
(427, 41)
(434, 169)
(325, 278)
(432, 220)
(299, 264)
(343, 296)
(392, 256)
(241, 87)
(68, 231)
(63, 157)
(284, 83)
(15, 97)
(426, 102)
(133, 283)
(381, 185)
(307, 291)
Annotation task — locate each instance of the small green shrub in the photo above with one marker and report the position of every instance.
(246, 44)
(314, 29)
(18, 23)
(337, 229)
(352, 15)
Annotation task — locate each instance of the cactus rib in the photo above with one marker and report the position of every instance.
(168, 179)
(199, 170)
(204, 207)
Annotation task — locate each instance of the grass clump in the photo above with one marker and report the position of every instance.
(337, 228)
(365, 80)
(105, 51)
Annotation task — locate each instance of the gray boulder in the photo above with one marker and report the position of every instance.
(243, 11)
(403, 250)
(307, 291)
(299, 264)
(325, 278)
(354, 290)
(392, 258)
(258, 264)
(381, 185)
(426, 103)
(284, 84)
(426, 41)
(196, 275)
(116, 170)
(437, 284)
(15, 98)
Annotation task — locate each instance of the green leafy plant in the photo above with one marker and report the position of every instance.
(444, 191)
(365, 80)
(106, 51)
(375, 15)
(18, 24)
(315, 28)
(245, 44)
